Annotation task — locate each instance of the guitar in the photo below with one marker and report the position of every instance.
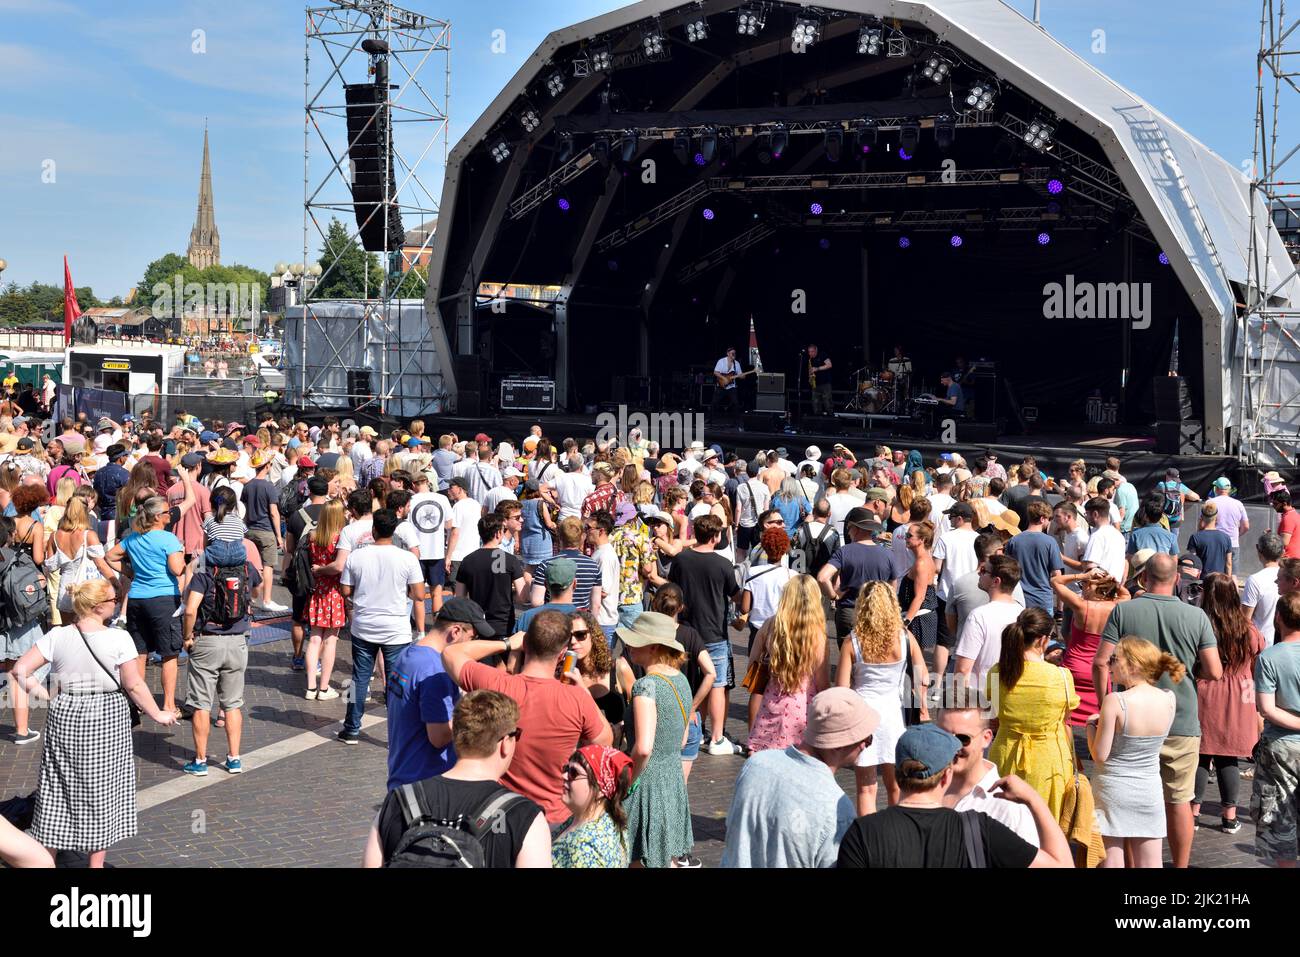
(725, 379)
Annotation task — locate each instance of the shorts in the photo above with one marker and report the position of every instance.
(845, 619)
(154, 626)
(747, 538)
(451, 573)
(435, 571)
(266, 546)
(694, 738)
(1179, 757)
(217, 666)
(1275, 799)
(720, 654)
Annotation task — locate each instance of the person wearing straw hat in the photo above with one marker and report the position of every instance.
(787, 809)
(658, 811)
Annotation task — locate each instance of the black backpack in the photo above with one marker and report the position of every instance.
(816, 552)
(23, 597)
(429, 841)
(299, 579)
(226, 602)
(290, 499)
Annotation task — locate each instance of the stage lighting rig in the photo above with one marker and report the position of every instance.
(807, 31)
(750, 21)
(983, 94)
(529, 118)
(697, 28)
(909, 137)
(780, 140)
(1041, 135)
(555, 84)
(654, 43)
(629, 145)
(501, 151)
(682, 148)
(936, 69)
(602, 60)
(945, 131)
(871, 41)
(566, 148)
(834, 142)
(709, 143)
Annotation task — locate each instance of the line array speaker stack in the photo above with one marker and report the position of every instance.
(469, 385)
(1177, 433)
(372, 164)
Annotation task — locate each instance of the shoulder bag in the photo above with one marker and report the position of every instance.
(135, 710)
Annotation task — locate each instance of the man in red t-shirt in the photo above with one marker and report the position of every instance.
(1288, 522)
(161, 467)
(555, 717)
(189, 529)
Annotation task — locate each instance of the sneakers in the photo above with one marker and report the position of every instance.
(31, 737)
(326, 694)
(234, 765)
(275, 606)
(349, 737)
(311, 694)
(1231, 827)
(723, 746)
(687, 861)
(198, 769)
(299, 663)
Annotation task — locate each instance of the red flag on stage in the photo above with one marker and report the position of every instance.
(71, 311)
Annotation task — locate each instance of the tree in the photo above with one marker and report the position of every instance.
(347, 278)
(17, 308)
(163, 272)
(413, 284)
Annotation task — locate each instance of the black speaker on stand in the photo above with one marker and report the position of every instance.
(369, 135)
(470, 385)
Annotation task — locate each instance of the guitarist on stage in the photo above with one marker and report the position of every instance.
(726, 372)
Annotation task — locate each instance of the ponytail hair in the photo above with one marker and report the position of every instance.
(1144, 660)
(1030, 625)
(147, 513)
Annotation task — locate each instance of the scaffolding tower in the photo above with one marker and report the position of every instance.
(1269, 329)
(376, 352)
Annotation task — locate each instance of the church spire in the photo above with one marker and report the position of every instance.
(205, 241)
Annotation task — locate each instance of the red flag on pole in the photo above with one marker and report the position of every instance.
(71, 311)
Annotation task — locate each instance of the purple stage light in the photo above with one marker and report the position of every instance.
(904, 154)
(1044, 238)
(1055, 187)
(699, 159)
(1164, 259)
(563, 204)
(956, 241)
(824, 243)
(904, 242)
(815, 209)
(708, 214)
(866, 147)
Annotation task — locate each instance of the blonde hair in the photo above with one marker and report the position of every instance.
(1144, 660)
(88, 594)
(329, 524)
(878, 622)
(417, 428)
(905, 496)
(918, 482)
(344, 470)
(63, 490)
(798, 633)
(75, 515)
(643, 494)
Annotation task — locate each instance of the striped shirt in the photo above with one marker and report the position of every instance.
(587, 577)
(229, 529)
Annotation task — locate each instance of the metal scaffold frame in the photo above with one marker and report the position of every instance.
(1269, 356)
(393, 346)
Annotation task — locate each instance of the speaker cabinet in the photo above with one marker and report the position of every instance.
(1173, 400)
(1183, 437)
(770, 402)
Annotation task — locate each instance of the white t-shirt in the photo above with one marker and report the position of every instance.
(1106, 547)
(1260, 594)
(788, 467)
(72, 665)
(464, 516)
(405, 537)
(752, 498)
(357, 535)
(607, 559)
(427, 513)
(940, 503)
(841, 504)
(380, 576)
(957, 549)
(765, 585)
(1016, 816)
(495, 496)
(981, 637)
(570, 489)
(903, 557)
(728, 367)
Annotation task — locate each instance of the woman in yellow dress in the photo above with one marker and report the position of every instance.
(1032, 699)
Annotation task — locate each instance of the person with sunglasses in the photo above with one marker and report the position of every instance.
(596, 783)
(787, 810)
(974, 777)
(486, 734)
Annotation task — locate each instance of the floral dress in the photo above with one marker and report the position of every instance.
(597, 843)
(325, 608)
(658, 809)
(782, 716)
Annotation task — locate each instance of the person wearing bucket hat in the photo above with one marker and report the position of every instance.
(922, 831)
(797, 784)
(658, 810)
(1232, 520)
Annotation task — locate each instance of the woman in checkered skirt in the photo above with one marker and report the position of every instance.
(86, 799)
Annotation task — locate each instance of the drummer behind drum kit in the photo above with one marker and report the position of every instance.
(883, 393)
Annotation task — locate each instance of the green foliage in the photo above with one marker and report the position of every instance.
(163, 272)
(347, 278)
(413, 284)
(40, 302)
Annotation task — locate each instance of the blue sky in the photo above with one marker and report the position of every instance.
(113, 92)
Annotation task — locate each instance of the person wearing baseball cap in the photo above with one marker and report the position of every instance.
(1232, 520)
(1174, 495)
(419, 722)
(921, 831)
(561, 574)
(853, 565)
(777, 788)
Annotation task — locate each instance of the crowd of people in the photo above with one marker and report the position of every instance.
(553, 628)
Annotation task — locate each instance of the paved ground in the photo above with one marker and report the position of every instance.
(306, 800)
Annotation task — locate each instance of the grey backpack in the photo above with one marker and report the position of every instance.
(429, 841)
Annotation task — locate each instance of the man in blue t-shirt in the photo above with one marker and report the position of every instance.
(1212, 547)
(1039, 556)
(953, 395)
(1149, 533)
(1174, 495)
(855, 564)
(421, 696)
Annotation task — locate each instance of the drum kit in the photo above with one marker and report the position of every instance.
(883, 393)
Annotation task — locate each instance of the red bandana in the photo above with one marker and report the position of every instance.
(608, 763)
